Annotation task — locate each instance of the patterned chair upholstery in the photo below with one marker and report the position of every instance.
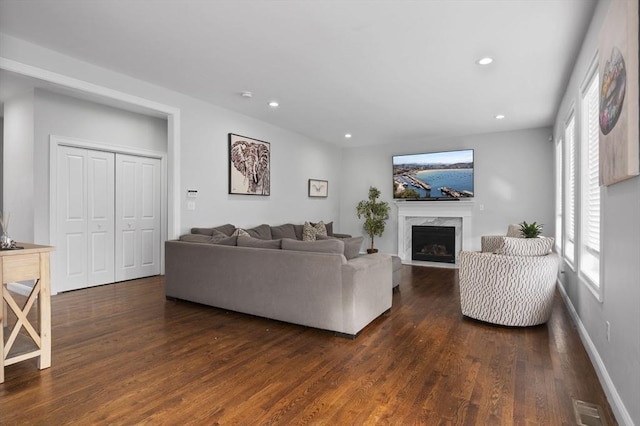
(513, 286)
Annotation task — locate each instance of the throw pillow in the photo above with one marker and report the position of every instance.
(244, 241)
(309, 232)
(514, 231)
(225, 229)
(526, 246)
(240, 232)
(196, 238)
(283, 231)
(262, 232)
(328, 227)
(324, 246)
(352, 246)
(223, 239)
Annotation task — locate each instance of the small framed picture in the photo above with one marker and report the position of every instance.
(318, 188)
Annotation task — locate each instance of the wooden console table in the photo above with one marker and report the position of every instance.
(30, 263)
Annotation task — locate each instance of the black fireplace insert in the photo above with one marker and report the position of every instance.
(433, 243)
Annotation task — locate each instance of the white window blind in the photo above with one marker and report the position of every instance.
(590, 185)
(570, 189)
(591, 196)
(559, 192)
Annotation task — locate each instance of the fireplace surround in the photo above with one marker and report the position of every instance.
(457, 214)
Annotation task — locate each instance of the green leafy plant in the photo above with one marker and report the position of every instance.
(375, 214)
(530, 230)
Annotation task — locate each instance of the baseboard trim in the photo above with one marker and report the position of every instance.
(618, 407)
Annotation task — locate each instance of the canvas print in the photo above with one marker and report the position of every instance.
(249, 166)
(618, 69)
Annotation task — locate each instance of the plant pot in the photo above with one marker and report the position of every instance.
(369, 251)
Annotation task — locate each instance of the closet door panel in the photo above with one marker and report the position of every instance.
(101, 197)
(71, 222)
(137, 217)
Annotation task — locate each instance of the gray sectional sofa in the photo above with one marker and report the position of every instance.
(324, 284)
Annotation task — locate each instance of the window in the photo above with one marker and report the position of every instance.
(570, 190)
(559, 191)
(590, 184)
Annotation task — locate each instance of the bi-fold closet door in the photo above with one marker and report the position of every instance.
(108, 217)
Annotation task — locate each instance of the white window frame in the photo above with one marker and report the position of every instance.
(570, 193)
(589, 248)
(559, 169)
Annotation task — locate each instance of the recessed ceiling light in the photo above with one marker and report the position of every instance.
(500, 117)
(484, 61)
(347, 135)
(274, 104)
(246, 94)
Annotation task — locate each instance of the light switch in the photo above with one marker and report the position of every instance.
(191, 205)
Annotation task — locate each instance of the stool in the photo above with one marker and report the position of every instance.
(396, 267)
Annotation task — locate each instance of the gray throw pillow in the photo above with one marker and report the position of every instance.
(196, 238)
(222, 239)
(319, 246)
(225, 229)
(283, 231)
(262, 231)
(352, 246)
(258, 243)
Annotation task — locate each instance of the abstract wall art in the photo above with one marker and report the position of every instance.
(618, 70)
(249, 166)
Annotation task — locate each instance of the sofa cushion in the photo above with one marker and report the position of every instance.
(540, 246)
(196, 238)
(298, 229)
(309, 232)
(327, 226)
(262, 232)
(225, 229)
(283, 231)
(352, 245)
(244, 241)
(320, 246)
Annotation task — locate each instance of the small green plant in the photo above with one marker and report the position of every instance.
(375, 214)
(530, 230)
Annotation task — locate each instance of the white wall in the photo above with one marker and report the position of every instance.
(18, 166)
(203, 150)
(513, 181)
(61, 115)
(618, 360)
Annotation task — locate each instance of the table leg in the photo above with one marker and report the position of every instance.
(44, 312)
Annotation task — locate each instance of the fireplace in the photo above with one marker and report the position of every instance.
(433, 243)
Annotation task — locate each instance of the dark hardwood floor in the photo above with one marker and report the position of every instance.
(122, 354)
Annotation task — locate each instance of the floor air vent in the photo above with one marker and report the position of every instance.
(588, 414)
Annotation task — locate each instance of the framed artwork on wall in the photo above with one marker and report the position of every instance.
(618, 69)
(318, 188)
(249, 166)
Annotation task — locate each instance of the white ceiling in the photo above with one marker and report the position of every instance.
(383, 70)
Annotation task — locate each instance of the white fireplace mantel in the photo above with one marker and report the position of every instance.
(410, 212)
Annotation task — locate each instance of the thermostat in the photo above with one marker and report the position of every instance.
(192, 193)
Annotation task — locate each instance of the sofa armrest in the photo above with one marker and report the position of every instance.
(490, 243)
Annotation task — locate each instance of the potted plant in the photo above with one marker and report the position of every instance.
(375, 215)
(530, 230)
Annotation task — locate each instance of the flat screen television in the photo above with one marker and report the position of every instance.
(444, 175)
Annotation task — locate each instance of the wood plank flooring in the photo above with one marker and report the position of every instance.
(122, 354)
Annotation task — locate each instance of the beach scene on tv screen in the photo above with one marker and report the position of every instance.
(433, 175)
